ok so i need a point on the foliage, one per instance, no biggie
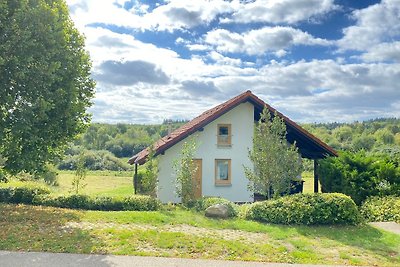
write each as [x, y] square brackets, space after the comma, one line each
[45, 83]
[80, 175]
[137, 202]
[123, 140]
[306, 209]
[147, 182]
[3, 176]
[360, 176]
[3, 173]
[50, 175]
[24, 194]
[381, 209]
[368, 135]
[94, 160]
[276, 162]
[141, 203]
[203, 203]
[185, 169]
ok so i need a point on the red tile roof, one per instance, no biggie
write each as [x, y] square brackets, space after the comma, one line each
[210, 115]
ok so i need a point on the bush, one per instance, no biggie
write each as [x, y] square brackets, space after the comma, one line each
[139, 203]
[203, 203]
[50, 175]
[24, 194]
[106, 204]
[95, 160]
[360, 176]
[3, 176]
[309, 209]
[381, 209]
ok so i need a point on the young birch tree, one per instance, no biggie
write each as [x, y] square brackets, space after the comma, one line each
[185, 169]
[275, 161]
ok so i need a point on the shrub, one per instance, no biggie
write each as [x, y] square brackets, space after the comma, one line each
[139, 203]
[306, 209]
[106, 203]
[381, 209]
[24, 194]
[71, 201]
[50, 175]
[94, 160]
[360, 176]
[203, 203]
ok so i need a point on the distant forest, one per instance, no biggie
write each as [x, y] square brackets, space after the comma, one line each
[104, 145]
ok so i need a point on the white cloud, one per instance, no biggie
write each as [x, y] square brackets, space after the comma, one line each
[260, 41]
[374, 24]
[182, 14]
[175, 14]
[279, 11]
[383, 52]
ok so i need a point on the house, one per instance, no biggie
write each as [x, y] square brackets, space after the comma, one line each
[224, 134]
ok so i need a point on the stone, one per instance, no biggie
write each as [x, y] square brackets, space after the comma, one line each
[218, 211]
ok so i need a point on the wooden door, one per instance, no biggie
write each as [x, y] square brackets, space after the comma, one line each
[197, 177]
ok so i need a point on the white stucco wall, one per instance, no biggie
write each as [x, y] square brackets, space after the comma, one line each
[242, 120]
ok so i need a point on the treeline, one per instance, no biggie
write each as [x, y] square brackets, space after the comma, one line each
[377, 136]
[106, 146]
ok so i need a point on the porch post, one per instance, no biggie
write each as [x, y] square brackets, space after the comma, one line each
[135, 179]
[315, 176]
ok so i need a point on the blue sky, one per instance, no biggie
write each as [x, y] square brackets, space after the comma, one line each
[313, 60]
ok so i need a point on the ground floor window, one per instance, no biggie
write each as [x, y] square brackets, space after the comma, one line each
[223, 171]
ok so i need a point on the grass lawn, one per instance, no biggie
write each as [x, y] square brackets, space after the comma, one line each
[98, 183]
[308, 186]
[103, 183]
[175, 232]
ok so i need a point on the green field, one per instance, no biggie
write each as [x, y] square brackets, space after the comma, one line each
[98, 183]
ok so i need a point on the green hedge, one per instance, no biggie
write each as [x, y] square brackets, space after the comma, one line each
[309, 209]
[203, 203]
[360, 175]
[23, 195]
[138, 202]
[39, 195]
[382, 209]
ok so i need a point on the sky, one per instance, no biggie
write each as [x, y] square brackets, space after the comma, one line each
[313, 60]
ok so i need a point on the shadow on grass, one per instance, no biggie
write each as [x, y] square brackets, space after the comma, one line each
[363, 237]
[36, 228]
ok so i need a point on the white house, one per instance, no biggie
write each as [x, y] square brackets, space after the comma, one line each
[224, 135]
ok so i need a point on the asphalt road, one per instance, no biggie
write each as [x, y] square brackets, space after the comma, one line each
[42, 259]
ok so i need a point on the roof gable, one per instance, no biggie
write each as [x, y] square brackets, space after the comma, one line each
[309, 145]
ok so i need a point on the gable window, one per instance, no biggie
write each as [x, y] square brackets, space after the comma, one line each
[222, 171]
[224, 135]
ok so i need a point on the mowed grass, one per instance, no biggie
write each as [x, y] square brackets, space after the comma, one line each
[175, 232]
[308, 186]
[97, 183]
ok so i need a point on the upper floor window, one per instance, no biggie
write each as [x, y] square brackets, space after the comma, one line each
[224, 135]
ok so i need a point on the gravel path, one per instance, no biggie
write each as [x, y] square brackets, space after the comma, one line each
[388, 226]
[41, 259]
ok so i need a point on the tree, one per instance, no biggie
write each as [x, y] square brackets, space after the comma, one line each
[80, 174]
[45, 84]
[276, 162]
[148, 184]
[185, 169]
